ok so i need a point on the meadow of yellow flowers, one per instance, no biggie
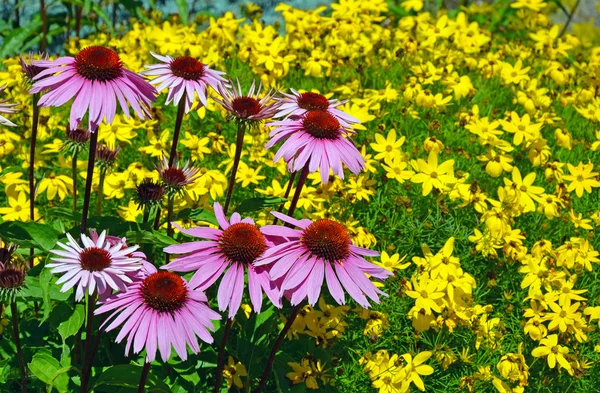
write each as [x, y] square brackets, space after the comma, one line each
[481, 138]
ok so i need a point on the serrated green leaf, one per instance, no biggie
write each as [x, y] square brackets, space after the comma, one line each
[71, 326]
[128, 375]
[197, 215]
[34, 234]
[48, 370]
[45, 278]
[259, 203]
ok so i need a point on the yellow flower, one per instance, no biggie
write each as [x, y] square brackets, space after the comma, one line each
[416, 5]
[426, 295]
[432, 175]
[361, 187]
[581, 178]
[247, 175]
[159, 145]
[534, 5]
[395, 168]
[54, 185]
[524, 188]
[197, 145]
[393, 262]
[232, 373]
[522, 128]
[432, 144]
[130, 212]
[514, 74]
[413, 369]
[563, 138]
[18, 208]
[562, 317]
[578, 220]
[555, 353]
[388, 147]
[121, 129]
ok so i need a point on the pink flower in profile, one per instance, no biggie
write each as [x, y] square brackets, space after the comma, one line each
[318, 139]
[318, 251]
[184, 76]
[160, 311]
[297, 104]
[249, 108]
[95, 79]
[5, 107]
[233, 247]
[99, 266]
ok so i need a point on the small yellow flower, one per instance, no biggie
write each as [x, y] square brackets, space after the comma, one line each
[553, 352]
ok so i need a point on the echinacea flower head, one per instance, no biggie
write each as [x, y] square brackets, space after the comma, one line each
[31, 67]
[106, 156]
[250, 108]
[318, 251]
[149, 193]
[7, 108]
[297, 104]
[176, 177]
[316, 139]
[98, 266]
[232, 248]
[12, 273]
[159, 311]
[184, 77]
[95, 79]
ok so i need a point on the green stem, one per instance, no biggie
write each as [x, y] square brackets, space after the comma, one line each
[87, 357]
[287, 194]
[221, 358]
[15, 320]
[178, 121]
[88, 180]
[144, 377]
[569, 18]
[298, 191]
[100, 192]
[278, 342]
[74, 176]
[236, 162]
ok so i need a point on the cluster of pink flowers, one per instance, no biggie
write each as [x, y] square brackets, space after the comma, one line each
[158, 309]
[314, 132]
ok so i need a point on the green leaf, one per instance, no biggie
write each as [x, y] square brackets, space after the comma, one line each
[128, 375]
[183, 11]
[18, 39]
[45, 278]
[197, 215]
[259, 203]
[48, 370]
[30, 234]
[149, 237]
[71, 326]
[64, 213]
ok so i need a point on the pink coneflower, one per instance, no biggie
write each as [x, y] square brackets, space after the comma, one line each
[234, 247]
[297, 104]
[183, 76]
[95, 78]
[176, 176]
[248, 108]
[32, 67]
[320, 250]
[5, 107]
[316, 138]
[98, 266]
[158, 311]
